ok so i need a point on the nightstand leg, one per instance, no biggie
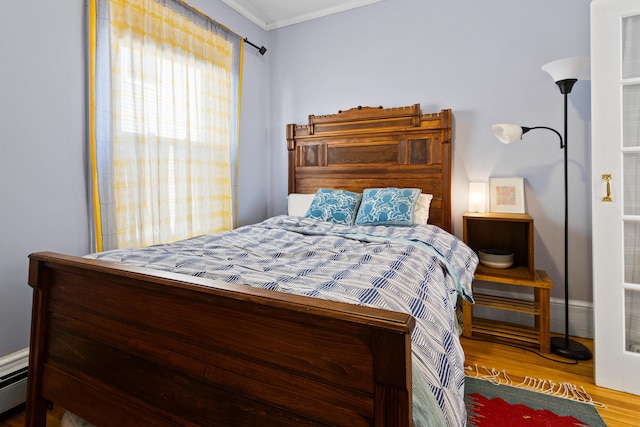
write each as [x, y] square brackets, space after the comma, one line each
[467, 319]
[542, 300]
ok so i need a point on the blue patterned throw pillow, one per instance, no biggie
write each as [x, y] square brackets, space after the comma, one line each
[387, 206]
[338, 206]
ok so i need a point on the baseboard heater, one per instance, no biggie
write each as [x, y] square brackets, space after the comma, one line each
[13, 379]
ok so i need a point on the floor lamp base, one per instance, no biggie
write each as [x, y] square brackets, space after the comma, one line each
[570, 349]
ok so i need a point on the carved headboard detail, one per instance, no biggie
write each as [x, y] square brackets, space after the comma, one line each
[367, 147]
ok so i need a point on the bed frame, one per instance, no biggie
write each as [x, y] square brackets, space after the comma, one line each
[125, 346]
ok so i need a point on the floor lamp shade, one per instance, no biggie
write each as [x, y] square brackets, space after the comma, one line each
[507, 133]
[567, 68]
[565, 72]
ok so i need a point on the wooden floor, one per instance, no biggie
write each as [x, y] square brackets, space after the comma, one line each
[622, 410]
[15, 417]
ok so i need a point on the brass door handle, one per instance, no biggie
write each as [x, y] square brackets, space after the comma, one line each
[607, 177]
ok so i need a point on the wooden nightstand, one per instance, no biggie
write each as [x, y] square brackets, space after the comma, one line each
[513, 232]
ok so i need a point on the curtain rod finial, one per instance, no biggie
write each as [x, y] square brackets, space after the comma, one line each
[261, 49]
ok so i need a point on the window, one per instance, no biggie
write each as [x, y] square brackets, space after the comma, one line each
[164, 99]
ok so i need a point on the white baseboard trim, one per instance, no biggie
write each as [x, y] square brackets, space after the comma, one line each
[13, 379]
[580, 314]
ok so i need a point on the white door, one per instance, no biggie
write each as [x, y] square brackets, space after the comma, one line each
[615, 115]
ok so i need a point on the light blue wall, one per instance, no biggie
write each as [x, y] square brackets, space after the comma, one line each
[42, 186]
[42, 147]
[482, 59]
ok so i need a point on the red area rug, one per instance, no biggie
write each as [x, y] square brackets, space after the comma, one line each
[494, 405]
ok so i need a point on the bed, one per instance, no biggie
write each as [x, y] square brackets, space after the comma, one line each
[154, 338]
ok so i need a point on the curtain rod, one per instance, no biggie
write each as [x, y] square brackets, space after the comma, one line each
[205, 17]
[261, 49]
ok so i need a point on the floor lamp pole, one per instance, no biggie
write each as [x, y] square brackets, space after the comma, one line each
[563, 346]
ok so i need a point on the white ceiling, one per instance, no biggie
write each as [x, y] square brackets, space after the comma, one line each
[270, 14]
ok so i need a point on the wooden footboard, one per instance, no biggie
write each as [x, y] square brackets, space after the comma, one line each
[123, 346]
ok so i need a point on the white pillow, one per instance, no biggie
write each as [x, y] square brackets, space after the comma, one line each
[298, 204]
[421, 211]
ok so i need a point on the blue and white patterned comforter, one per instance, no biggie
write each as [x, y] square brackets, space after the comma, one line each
[417, 269]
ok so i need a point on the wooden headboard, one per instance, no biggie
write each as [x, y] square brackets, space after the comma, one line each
[368, 147]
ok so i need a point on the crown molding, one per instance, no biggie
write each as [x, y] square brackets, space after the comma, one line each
[318, 11]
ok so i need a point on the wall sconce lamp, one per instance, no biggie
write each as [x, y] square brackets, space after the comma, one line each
[565, 73]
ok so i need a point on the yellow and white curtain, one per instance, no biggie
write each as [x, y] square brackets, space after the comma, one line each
[164, 111]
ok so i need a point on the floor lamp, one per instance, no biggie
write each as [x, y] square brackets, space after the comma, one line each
[565, 73]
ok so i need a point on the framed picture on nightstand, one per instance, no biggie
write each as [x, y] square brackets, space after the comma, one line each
[506, 195]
